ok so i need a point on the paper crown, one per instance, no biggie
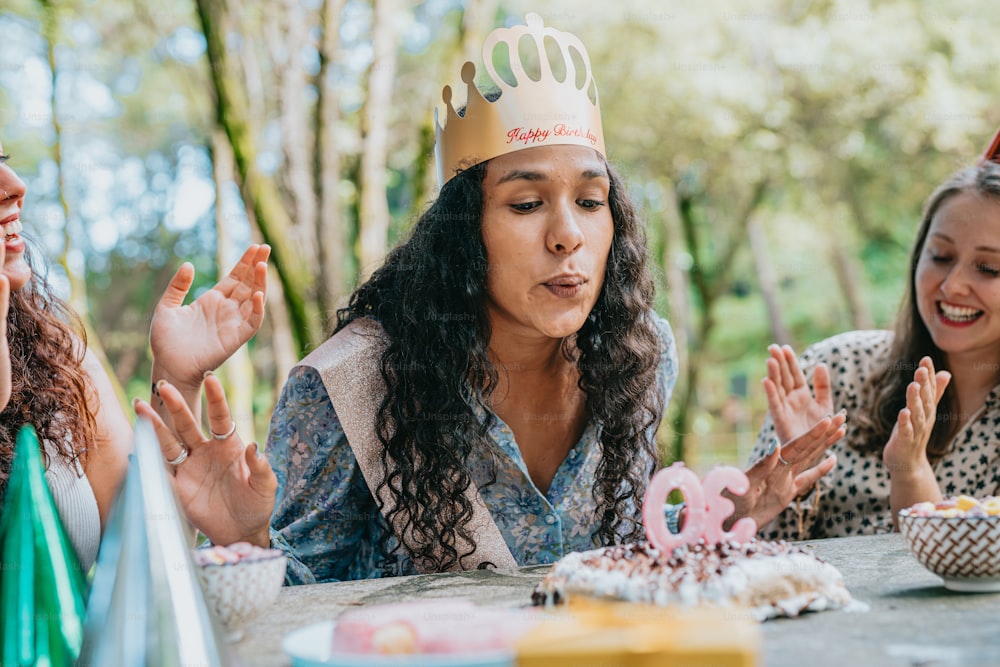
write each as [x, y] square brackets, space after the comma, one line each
[992, 153]
[535, 111]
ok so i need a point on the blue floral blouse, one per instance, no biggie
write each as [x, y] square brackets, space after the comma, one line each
[326, 520]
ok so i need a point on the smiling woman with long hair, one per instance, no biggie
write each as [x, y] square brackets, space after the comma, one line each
[923, 401]
[54, 387]
[51, 380]
[47, 346]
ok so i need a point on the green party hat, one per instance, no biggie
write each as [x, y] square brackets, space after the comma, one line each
[42, 588]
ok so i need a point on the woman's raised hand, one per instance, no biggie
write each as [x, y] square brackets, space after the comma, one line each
[905, 455]
[225, 487]
[188, 341]
[787, 471]
[790, 400]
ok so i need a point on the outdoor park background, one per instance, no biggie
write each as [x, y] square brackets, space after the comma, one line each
[779, 149]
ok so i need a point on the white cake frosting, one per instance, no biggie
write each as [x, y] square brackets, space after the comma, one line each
[768, 579]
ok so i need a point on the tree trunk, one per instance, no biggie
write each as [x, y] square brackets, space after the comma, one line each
[767, 280]
[680, 315]
[847, 270]
[477, 20]
[373, 234]
[252, 77]
[76, 275]
[853, 176]
[330, 223]
[296, 124]
[273, 222]
[237, 373]
[687, 388]
[282, 340]
[708, 285]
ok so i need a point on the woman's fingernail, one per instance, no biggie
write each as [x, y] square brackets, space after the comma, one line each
[135, 402]
[774, 446]
[206, 374]
[160, 383]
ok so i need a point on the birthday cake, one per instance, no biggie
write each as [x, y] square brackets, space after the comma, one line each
[703, 565]
[769, 579]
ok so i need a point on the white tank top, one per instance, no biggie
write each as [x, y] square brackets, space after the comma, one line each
[77, 507]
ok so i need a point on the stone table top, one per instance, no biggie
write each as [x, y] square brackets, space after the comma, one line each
[913, 620]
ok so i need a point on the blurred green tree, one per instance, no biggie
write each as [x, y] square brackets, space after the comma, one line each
[781, 151]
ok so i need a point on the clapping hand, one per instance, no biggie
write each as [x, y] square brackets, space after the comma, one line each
[226, 488]
[906, 451]
[787, 471]
[188, 341]
[790, 400]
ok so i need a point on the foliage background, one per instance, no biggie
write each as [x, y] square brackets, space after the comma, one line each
[780, 151]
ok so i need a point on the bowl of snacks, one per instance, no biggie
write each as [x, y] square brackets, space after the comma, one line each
[240, 582]
[957, 539]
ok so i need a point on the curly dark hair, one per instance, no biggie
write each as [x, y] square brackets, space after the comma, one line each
[886, 390]
[50, 388]
[430, 298]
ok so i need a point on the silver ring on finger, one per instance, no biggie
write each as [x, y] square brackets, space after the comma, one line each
[781, 459]
[223, 436]
[181, 458]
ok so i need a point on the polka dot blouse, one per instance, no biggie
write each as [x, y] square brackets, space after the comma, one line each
[854, 498]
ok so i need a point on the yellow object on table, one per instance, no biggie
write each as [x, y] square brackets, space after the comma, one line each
[596, 634]
[992, 506]
[966, 503]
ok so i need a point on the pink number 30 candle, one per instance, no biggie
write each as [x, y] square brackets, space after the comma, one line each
[706, 508]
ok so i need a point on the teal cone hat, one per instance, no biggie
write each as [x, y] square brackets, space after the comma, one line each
[42, 589]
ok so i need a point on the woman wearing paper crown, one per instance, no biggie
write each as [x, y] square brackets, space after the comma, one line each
[48, 377]
[491, 394]
[923, 401]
